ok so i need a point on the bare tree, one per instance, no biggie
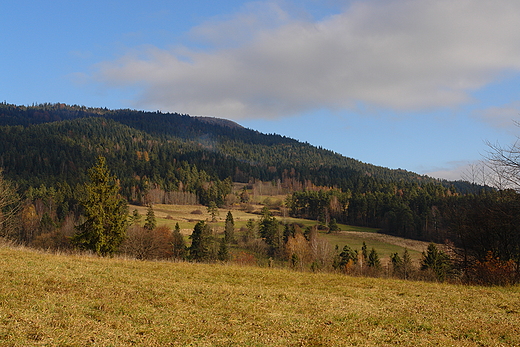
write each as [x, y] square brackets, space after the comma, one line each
[9, 207]
[504, 163]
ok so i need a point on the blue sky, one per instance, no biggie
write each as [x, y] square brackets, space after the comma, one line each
[418, 85]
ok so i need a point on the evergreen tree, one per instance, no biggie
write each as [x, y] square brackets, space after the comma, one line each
[150, 222]
[364, 252]
[407, 264]
[333, 226]
[436, 261]
[250, 233]
[373, 259]
[200, 242]
[397, 264]
[213, 210]
[136, 217]
[346, 257]
[270, 231]
[229, 231]
[106, 213]
[223, 251]
[178, 243]
[402, 267]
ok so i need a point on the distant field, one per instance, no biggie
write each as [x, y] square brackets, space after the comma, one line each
[385, 245]
[353, 236]
[57, 300]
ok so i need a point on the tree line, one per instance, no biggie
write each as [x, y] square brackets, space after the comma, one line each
[46, 151]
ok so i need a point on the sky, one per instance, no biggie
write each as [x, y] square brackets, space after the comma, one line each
[417, 85]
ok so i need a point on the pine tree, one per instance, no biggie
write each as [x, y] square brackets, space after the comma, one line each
[213, 210]
[407, 264]
[250, 232]
[106, 213]
[150, 222]
[178, 243]
[135, 218]
[333, 226]
[364, 252]
[229, 231]
[200, 242]
[373, 259]
[436, 261]
[270, 231]
[223, 251]
[346, 257]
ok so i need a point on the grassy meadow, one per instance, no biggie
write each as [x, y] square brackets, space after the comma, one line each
[353, 236]
[77, 300]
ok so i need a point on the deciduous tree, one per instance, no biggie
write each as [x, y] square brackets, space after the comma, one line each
[9, 206]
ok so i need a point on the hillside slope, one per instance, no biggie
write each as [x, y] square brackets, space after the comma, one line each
[212, 145]
[78, 300]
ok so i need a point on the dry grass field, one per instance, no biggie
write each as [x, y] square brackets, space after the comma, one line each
[78, 300]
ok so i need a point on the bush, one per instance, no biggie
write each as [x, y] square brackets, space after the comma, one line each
[141, 243]
[493, 271]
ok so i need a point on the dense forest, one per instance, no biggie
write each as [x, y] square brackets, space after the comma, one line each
[46, 151]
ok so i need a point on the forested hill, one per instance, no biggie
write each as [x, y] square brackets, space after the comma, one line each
[50, 143]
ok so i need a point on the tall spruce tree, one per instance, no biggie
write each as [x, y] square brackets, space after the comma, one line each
[436, 261]
[200, 242]
[150, 221]
[105, 211]
[373, 259]
[178, 243]
[229, 230]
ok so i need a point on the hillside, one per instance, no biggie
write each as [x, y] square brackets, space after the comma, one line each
[80, 300]
[72, 137]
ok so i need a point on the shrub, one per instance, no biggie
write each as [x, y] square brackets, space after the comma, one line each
[141, 243]
[493, 271]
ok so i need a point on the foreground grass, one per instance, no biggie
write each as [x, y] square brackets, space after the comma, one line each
[56, 300]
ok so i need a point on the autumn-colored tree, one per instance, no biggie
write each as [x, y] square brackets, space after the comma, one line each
[9, 207]
[298, 251]
[494, 271]
[142, 243]
[105, 211]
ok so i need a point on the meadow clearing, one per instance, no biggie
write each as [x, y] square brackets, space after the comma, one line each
[80, 300]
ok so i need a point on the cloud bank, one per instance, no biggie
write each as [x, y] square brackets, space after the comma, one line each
[264, 62]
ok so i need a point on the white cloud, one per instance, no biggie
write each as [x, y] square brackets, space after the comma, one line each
[505, 116]
[398, 54]
[456, 170]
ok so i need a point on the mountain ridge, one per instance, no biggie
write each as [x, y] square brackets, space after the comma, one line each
[243, 154]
